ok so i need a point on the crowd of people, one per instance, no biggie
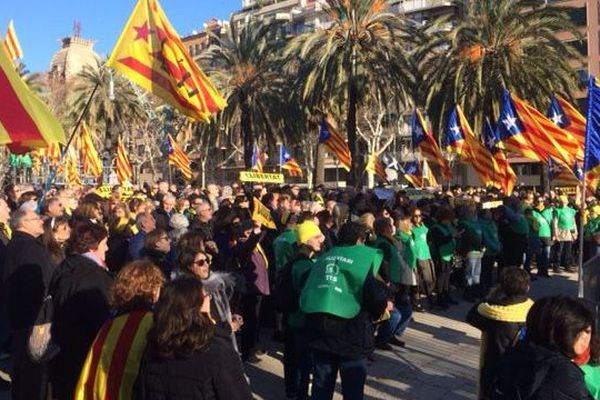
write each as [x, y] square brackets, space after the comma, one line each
[169, 292]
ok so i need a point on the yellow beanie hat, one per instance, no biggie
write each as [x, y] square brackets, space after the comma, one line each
[307, 230]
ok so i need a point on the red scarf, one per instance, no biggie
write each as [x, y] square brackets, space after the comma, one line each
[583, 358]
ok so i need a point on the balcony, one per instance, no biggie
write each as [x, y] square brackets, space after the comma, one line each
[410, 6]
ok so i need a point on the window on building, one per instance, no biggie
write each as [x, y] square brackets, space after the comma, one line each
[331, 175]
[191, 50]
[578, 16]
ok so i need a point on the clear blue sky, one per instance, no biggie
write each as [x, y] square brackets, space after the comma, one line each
[40, 24]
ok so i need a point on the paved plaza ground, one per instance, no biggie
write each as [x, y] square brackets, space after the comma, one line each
[440, 360]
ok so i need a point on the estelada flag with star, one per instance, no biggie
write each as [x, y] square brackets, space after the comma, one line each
[151, 54]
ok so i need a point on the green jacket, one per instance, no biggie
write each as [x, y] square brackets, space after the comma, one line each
[336, 281]
[391, 256]
[409, 249]
[544, 222]
[491, 240]
[591, 228]
[565, 218]
[300, 270]
[421, 245]
[443, 243]
[284, 248]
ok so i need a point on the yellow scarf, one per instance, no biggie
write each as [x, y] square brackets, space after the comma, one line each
[262, 253]
[512, 313]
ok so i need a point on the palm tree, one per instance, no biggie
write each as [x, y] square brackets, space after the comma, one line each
[32, 80]
[360, 52]
[245, 64]
[113, 104]
[496, 44]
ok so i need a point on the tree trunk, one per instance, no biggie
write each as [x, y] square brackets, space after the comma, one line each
[247, 137]
[319, 176]
[354, 177]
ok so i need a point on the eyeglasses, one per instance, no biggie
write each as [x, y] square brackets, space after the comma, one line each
[417, 215]
[200, 263]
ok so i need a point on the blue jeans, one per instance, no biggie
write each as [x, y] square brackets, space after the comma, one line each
[533, 246]
[472, 271]
[397, 323]
[326, 367]
[543, 257]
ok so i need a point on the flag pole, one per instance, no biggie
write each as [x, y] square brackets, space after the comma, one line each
[53, 170]
[580, 263]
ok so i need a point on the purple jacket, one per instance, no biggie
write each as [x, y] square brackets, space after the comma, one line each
[254, 265]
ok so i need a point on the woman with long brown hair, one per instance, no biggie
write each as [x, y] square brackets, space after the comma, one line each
[186, 356]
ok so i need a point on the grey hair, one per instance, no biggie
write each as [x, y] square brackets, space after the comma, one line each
[17, 217]
[139, 220]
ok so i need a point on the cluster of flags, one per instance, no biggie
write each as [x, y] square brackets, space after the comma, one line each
[150, 53]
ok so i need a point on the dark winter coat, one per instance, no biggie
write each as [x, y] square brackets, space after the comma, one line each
[500, 322]
[162, 219]
[349, 338]
[26, 274]
[80, 290]
[534, 372]
[214, 372]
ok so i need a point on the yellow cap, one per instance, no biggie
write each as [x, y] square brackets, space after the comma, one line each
[306, 231]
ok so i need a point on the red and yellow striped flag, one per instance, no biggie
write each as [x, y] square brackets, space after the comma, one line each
[375, 166]
[112, 364]
[11, 43]
[71, 169]
[548, 138]
[330, 137]
[89, 156]
[178, 158]
[122, 164]
[482, 160]
[424, 140]
[151, 54]
[25, 122]
[576, 125]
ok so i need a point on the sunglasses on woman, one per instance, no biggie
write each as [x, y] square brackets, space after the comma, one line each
[200, 263]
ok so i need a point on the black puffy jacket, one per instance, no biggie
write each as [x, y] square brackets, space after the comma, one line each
[215, 372]
[533, 372]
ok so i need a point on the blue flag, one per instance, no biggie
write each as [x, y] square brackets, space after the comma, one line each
[557, 114]
[418, 132]
[454, 133]
[592, 128]
[490, 138]
[509, 123]
[413, 168]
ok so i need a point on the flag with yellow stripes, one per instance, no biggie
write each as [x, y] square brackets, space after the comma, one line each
[11, 43]
[331, 138]
[122, 164]
[423, 140]
[178, 158]
[150, 53]
[89, 156]
[26, 123]
[375, 166]
[112, 363]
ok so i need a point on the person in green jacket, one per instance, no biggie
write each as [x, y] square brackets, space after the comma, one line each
[565, 230]
[296, 361]
[493, 247]
[391, 272]
[543, 214]
[425, 267]
[591, 233]
[442, 238]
